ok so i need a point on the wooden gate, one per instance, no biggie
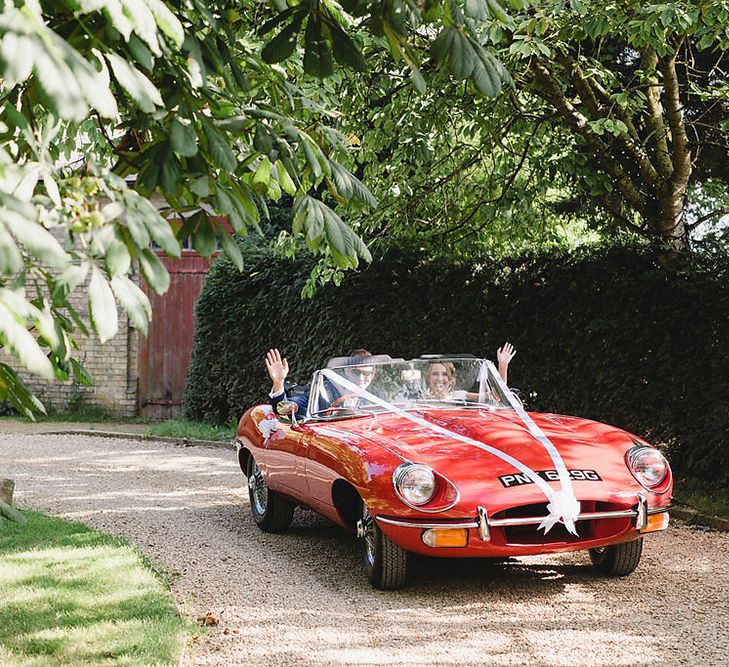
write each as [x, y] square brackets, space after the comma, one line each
[164, 356]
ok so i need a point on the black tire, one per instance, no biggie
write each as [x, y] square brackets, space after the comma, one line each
[619, 559]
[385, 562]
[271, 511]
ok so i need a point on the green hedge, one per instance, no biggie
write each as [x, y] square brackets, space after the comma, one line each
[605, 334]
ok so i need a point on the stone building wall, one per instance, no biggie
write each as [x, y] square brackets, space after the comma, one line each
[113, 365]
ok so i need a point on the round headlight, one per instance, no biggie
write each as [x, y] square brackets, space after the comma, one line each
[414, 483]
[648, 466]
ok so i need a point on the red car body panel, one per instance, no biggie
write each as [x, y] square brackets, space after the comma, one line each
[304, 462]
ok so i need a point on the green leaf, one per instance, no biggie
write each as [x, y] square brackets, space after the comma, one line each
[350, 187]
[285, 14]
[283, 45]
[52, 189]
[320, 224]
[231, 248]
[196, 71]
[20, 397]
[11, 260]
[462, 56]
[485, 75]
[169, 172]
[262, 141]
[117, 258]
[262, 176]
[284, 179]
[145, 223]
[201, 187]
[141, 53]
[102, 307]
[317, 56]
[418, 79]
[20, 341]
[82, 376]
[73, 276]
[36, 239]
[442, 45]
[345, 50]
[203, 239]
[498, 12]
[476, 9]
[219, 149]
[167, 22]
[154, 271]
[183, 137]
[134, 301]
[137, 85]
[243, 200]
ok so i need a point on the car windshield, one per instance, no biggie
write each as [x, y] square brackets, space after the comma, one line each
[352, 386]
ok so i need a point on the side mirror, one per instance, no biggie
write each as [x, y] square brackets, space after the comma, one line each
[288, 409]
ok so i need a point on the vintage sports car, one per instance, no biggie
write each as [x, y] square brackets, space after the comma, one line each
[437, 456]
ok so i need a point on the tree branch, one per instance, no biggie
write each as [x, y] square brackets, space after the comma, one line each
[580, 125]
[708, 216]
[681, 153]
[656, 129]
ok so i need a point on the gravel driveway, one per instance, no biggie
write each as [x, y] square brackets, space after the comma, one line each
[302, 599]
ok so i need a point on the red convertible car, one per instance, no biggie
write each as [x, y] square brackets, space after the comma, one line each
[437, 456]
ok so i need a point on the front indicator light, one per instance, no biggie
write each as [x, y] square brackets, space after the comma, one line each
[656, 522]
[446, 537]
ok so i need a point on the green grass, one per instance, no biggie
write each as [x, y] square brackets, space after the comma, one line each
[181, 428]
[695, 494]
[72, 596]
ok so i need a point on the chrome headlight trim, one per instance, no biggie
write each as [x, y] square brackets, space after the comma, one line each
[632, 459]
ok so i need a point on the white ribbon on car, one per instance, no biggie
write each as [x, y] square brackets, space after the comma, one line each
[562, 505]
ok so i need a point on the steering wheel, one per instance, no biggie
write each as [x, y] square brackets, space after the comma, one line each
[337, 402]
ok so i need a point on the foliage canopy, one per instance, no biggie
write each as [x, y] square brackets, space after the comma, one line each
[118, 114]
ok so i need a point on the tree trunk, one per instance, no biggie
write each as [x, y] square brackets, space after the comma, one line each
[7, 487]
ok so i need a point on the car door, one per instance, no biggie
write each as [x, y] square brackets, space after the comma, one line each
[323, 457]
[285, 456]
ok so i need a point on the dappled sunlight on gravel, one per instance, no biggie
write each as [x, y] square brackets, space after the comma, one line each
[301, 598]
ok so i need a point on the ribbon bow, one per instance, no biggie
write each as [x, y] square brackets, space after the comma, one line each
[563, 508]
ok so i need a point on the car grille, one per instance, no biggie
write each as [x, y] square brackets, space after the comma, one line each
[586, 529]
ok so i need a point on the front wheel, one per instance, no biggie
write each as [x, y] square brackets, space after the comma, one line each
[271, 511]
[385, 562]
[619, 559]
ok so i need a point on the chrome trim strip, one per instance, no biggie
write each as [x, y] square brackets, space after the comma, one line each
[518, 521]
[484, 522]
[585, 516]
[412, 524]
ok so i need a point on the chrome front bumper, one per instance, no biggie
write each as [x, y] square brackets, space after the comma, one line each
[484, 523]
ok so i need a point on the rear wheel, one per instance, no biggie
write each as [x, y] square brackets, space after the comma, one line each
[619, 559]
[385, 562]
[271, 511]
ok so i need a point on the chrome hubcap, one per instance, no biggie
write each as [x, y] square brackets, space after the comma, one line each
[366, 530]
[258, 490]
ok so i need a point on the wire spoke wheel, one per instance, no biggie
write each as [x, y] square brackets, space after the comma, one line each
[271, 511]
[385, 562]
[258, 490]
[368, 536]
